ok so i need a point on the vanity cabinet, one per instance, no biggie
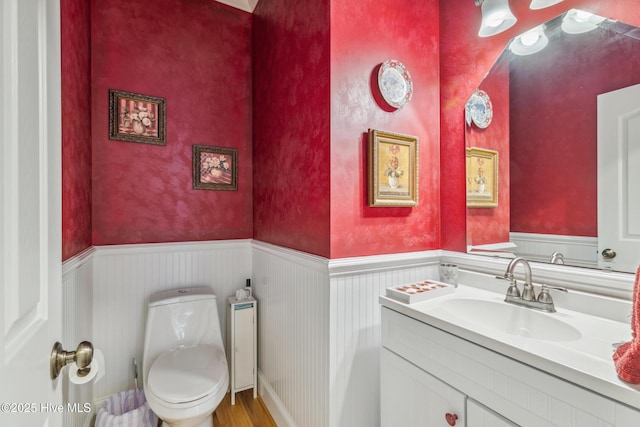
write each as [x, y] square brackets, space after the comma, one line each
[427, 373]
[412, 397]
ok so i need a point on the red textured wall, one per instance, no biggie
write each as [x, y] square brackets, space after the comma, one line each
[175, 48]
[197, 55]
[291, 124]
[363, 35]
[465, 60]
[76, 126]
[491, 225]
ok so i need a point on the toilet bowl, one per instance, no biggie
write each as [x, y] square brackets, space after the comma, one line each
[185, 373]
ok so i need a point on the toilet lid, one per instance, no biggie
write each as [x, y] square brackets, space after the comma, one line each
[187, 373]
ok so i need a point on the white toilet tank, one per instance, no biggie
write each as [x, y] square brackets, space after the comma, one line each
[180, 317]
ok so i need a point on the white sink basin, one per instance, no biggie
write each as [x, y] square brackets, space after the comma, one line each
[511, 319]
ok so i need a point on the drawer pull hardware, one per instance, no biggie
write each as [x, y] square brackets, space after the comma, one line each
[451, 418]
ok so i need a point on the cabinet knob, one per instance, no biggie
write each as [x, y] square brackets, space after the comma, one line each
[451, 418]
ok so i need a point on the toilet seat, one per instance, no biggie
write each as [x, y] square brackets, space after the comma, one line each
[187, 374]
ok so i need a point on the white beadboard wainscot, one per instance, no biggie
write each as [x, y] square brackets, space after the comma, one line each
[356, 284]
[319, 332]
[126, 275]
[293, 334]
[318, 319]
[77, 326]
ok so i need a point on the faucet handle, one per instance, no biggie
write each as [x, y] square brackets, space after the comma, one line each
[513, 290]
[545, 296]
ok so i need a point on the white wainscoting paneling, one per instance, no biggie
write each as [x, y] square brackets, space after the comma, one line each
[319, 332]
[124, 278]
[318, 319]
[293, 334]
[77, 326]
[356, 284]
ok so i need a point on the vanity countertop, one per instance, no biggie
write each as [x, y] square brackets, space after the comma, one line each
[582, 357]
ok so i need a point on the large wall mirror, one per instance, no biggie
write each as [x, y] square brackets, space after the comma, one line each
[544, 129]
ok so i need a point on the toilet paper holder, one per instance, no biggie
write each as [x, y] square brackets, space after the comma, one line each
[82, 356]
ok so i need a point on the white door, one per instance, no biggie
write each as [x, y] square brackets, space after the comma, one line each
[619, 179]
[30, 200]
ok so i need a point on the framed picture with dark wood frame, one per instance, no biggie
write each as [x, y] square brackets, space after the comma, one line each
[215, 168]
[482, 178]
[392, 169]
[137, 118]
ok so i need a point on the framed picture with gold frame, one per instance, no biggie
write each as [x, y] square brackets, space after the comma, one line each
[482, 178]
[392, 169]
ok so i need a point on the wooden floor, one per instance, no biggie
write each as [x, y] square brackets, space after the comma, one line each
[247, 412]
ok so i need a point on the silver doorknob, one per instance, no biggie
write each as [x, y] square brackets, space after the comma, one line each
[609, 253]
[82, 356]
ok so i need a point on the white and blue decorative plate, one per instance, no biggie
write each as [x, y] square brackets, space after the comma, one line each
[395, 83]
[479, 109]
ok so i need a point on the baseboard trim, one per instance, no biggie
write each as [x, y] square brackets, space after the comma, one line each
[271, 400]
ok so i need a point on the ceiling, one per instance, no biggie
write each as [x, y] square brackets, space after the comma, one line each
[246, 5]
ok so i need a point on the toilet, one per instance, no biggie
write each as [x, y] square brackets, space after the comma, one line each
[185, 374]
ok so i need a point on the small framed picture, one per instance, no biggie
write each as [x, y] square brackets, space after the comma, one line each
[137, 118]
[215, 168]
[392, 169]
[482, 178]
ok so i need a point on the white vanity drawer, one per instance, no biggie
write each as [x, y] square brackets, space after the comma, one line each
[412, 397]
[481, 416]
[516, 391]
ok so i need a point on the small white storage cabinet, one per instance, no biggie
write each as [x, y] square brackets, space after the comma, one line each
[242, 345]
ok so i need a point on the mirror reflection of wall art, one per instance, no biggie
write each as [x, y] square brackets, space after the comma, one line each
[478, 109]
[137, 118]
[482, 178]
[392, 169]
[215, 168]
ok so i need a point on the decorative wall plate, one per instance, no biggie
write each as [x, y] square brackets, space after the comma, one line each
[395, 83]
[479, 109]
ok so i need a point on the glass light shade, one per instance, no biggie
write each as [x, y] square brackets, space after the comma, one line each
[578, 21]
[541, 4]
[530, 42]
[496, 17]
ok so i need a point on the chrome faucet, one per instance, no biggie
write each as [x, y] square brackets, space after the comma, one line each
[557, 258]
[527, 292]
[528, 298]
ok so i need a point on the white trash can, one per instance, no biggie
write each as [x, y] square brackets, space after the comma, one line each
[126, 409]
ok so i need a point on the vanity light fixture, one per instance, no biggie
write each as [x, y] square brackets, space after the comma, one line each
[496, 17]
[579, 21]
[530, 42]
[541, 4]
